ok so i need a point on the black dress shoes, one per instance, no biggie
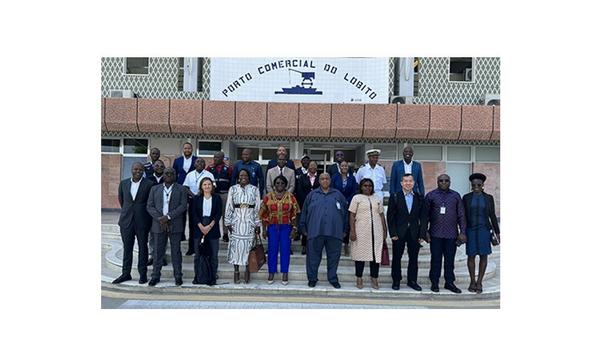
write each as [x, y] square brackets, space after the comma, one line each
[312, 283]
[178, 282]
[164, 262]
[452, 288]
[143, 279]
[414, 286]
[189, 252]
[435, 288]
[122, 278]
[336, 284]
[153, 282]
[395, 286]
[150, 262]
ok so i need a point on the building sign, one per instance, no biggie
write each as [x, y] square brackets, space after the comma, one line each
[319, 80]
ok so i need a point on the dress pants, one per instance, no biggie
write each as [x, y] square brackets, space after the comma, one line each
[333, 248]
[192, 227]
[442, 247]
[128, 236]
[279, 235]
[161, 240]
[413, 259]
[211, 248]
[360, 265]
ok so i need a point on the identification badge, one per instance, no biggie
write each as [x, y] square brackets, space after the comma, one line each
[442, 210]
[338, 205]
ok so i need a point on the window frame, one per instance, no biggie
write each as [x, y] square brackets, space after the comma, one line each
[448, 72]
[209, 141]
[135, 154]
[120, 152]
[125, 67]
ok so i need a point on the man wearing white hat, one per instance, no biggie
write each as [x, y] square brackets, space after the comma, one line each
[373, 171]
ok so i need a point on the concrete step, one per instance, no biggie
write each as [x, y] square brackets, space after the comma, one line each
[112, 258]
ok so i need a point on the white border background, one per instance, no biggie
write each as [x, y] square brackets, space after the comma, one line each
[553, 173]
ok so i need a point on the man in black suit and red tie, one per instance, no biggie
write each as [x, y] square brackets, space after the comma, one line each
[134, 222]
[407, 221]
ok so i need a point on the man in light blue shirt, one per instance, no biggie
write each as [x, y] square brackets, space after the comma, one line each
[324, 222]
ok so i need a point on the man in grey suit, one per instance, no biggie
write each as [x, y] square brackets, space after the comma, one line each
[134, 221]
[280, 169]
[167, 203]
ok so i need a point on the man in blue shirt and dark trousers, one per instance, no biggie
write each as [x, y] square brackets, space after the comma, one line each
[324, 222]
[447, 227]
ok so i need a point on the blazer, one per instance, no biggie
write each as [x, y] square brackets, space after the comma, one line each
[490, 204]
[397, 171]
[134, 211]
[351, 186]
[177, 165]
[215, 213]
[303, 188]
[403, 224]
[154, 180]
[334, 170]
[274, 162]
[274, 172]
[176, 207]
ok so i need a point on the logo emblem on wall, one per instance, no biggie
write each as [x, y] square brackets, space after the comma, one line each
[305, 88]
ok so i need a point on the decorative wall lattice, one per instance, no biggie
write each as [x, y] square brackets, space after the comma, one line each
[435, 88]
[160, 83]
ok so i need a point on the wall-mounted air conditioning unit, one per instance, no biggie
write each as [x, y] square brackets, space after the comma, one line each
[401, 99]
[121, 93]
[490, 100]
[467, 75]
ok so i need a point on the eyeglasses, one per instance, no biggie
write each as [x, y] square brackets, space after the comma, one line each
[444, 180]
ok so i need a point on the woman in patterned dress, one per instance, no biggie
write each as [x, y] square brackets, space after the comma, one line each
[278, 213]
[242, 221]
[368, 231]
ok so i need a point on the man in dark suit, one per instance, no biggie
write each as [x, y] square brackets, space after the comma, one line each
[182, 166]
[407, 166]
[407, 220]
[157, 178]
[134, 221]
[167, 204]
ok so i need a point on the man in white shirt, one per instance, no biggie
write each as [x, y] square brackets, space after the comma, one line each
[192, 182]
[373, 171]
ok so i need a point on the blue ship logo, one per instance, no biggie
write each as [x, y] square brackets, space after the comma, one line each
[305, 88]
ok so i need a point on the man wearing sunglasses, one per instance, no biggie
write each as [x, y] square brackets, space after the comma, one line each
[447, 224]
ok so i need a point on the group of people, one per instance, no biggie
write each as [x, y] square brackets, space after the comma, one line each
[323, 210]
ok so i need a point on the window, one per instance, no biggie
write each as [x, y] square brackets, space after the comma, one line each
[208, 148]
[111, 145]
[458, 153]
[461, 69]
[181, 74]
[427, 152]
[487, 154]
[387, 151]
[270, 153]
[137, 66]
[135, 146]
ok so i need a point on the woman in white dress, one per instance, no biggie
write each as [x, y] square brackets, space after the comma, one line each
[242, 221]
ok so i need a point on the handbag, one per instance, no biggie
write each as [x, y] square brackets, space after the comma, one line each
[257, 255]
[203, 268]
[494, 239]
[385, 254]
